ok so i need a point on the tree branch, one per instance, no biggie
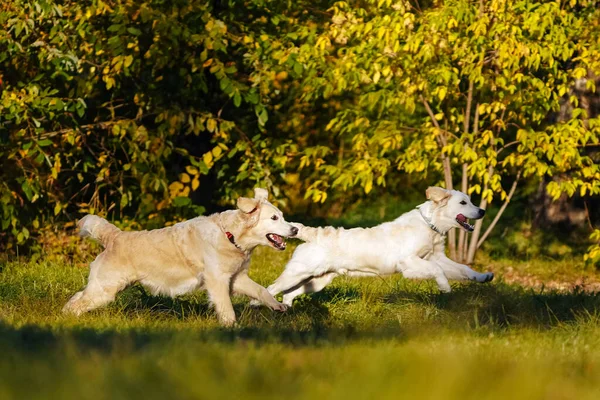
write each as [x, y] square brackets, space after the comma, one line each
[442, 142]
[479, 223]
[493, 224]
[104, 125]
[464, 187]
[463, 239]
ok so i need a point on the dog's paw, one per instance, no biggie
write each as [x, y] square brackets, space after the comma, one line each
[483, 278]
[228, 322]
[445, 288]
[288, 299]
[255, 303]
[279, 307]
[70, 310]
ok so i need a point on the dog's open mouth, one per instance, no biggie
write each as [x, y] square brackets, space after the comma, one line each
[277, 241]
[464, 222]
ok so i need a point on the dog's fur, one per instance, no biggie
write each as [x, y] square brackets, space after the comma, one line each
[189, 255]
[413, 245]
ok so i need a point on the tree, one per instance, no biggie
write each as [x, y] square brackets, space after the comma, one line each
[123, 107]
[463, 88]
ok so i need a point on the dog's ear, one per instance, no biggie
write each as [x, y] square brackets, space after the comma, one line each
[437, 194]
[261, 194]
[247, 205]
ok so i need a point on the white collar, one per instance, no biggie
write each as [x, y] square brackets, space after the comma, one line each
[431, 225]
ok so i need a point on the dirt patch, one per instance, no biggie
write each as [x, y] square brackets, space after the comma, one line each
[586, 284]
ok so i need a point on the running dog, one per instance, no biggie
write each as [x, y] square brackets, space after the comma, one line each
[211, 253]
[413, 245]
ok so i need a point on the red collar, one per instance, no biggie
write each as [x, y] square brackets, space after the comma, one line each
[231, 238]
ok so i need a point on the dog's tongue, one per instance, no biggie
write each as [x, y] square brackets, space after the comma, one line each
[277, 239]
[461, 218]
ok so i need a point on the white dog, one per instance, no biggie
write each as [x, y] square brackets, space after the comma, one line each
[413, 245]
[205, 252]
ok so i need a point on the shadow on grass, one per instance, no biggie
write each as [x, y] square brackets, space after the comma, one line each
[136, 299]
[309, 323]
[34, 339]
[330, 295]
[505, 305]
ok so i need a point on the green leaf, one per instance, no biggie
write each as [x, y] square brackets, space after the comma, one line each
[134, 31]
[181, 201]
[44, 142]
[237, 99]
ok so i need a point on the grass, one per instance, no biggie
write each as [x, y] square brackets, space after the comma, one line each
[359, 338]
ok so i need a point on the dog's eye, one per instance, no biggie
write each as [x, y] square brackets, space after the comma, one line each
[274, 217]
[463, 202]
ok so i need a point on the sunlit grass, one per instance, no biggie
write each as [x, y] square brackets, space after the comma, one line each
[359, 338]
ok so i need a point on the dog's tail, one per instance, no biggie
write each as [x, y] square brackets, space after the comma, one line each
[311, 234]
[97, 228]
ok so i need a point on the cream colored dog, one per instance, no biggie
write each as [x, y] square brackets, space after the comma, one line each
[413, 245]
[205, 252]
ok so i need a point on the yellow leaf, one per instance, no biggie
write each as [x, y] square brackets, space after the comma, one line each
[161, 205]
[442, 92]
[217, 152]
[211, 125]
[128, 60]
[185, 178]
[323, 197]
[207, 158]
[191, 170]
[195, 183]
[376, 77]
[368, 186]
[175, 186]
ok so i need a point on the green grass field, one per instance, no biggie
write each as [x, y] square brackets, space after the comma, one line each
[359, 338]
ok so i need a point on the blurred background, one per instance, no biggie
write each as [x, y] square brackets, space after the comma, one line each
[149, 113]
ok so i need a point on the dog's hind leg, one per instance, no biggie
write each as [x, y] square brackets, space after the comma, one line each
[89, 299]
[418, 268]
[460, 272]
[316, 284]
[294, 275]
[103, 285]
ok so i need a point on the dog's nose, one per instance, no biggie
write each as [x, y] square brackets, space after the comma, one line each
[481, 212]
[294, 231]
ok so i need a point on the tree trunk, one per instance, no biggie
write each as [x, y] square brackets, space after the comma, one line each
[441, 139]
[462, 235]
[475, 241]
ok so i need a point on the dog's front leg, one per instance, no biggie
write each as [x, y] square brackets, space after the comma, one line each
[460, 272]
[242, 284]
[217, 286]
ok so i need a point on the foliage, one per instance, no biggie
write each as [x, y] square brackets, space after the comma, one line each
[481, 79]
[593, 255]
[122, 107]
[146, 110]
